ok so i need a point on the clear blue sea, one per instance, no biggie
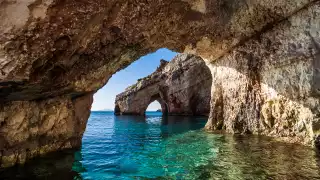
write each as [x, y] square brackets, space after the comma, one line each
[153, 147]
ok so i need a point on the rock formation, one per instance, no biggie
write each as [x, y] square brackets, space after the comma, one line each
[182, 87]
[54, 54]
[270, 84]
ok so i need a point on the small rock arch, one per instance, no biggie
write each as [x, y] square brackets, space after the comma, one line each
[163, 103]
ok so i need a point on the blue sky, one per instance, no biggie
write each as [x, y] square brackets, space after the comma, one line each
[105, 97]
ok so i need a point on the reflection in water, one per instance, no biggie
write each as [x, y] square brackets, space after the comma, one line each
[131, 147]
[252, 157]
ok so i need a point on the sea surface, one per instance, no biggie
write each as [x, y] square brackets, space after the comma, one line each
[174, 147]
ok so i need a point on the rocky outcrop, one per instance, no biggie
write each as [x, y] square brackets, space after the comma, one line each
[270, 84]
[29, 129]
[60, 51]
[182, 87]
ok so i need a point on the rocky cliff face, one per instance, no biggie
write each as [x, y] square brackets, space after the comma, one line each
[182, 87]
[30, 129]
[270, 84]
[55, 52]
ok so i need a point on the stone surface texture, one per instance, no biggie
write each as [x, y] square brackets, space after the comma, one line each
[269, 84]
[263, 55]
[181, 86]
[29, 129]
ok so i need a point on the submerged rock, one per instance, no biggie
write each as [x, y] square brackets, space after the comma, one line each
[182, 87]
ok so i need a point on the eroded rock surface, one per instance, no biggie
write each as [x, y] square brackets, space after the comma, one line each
[54, 48]
[59, 51]
[182, 87]
[270, 84]
[29, 129]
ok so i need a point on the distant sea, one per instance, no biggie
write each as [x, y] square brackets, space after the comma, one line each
[174, 147]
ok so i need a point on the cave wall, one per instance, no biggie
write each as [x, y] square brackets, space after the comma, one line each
[60, 51]
[270, 84]
[52, 48]
[30, 129]
[182, 87]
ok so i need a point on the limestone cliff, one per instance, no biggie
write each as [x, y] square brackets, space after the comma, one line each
[263, 54]
[182, 87]
[270, 84]
[30, 129]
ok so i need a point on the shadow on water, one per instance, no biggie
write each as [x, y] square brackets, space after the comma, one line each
[180, 124]
[50, 167]
[173, 147]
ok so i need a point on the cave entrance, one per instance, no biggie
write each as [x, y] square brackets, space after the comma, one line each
[104, 98]
[182, 87]
[117, 110]
[180, 83]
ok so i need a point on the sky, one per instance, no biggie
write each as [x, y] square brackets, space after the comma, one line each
[105, 97]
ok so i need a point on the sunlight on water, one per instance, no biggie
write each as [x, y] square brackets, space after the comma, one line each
[153, 147]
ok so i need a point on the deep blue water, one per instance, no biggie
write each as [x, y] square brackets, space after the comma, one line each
[153, 147]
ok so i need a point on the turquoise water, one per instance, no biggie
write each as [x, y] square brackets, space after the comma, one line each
[152, 147]
[129, 147]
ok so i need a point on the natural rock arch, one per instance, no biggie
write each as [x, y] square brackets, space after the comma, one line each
[55, 54]
[182, 87]
[141, 110]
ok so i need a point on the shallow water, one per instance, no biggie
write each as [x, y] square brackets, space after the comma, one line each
[129, 147]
